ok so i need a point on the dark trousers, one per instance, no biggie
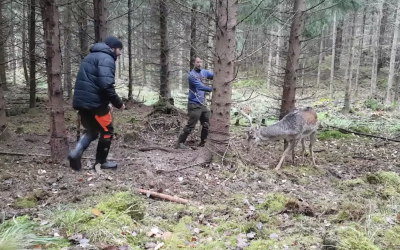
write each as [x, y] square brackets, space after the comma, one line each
[196, 112]
[94, 125]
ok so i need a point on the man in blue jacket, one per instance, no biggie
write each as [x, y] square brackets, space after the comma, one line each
[94, 93]
[197, 109]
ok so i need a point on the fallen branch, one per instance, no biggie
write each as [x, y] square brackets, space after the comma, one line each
[345, 131]
[178, 169]
[163, 196]
[145, 149]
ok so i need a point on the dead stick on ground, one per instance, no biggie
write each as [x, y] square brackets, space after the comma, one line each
[179, 169]
[144, 149]
[163, 196]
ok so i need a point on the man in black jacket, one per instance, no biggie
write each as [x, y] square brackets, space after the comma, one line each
[94, 91]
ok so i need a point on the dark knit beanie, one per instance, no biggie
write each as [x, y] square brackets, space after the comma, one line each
[113, 42]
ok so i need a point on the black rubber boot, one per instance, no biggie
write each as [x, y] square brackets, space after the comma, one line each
[103, 147]
[75, 155]
[203, 137]
[181, 141]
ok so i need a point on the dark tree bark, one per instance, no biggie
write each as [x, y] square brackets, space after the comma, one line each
[293, 56]
[32, 55]
[339, 41]
[58, 135]
[3, 35]
[382, 31]
[224, 74]
[165, 91]
[100, 20]
[83, 42]
[3, 118]
[193, 33]
[130, 59]
[67, 52]
[23, 36]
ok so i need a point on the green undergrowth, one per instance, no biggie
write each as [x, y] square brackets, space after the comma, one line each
[367, 215]
[22, 233]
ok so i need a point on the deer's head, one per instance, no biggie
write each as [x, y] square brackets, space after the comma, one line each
[252, 134]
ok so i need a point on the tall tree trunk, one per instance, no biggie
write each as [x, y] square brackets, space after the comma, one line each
[67, 52]
[339, 43]
[58, 135]
[83, 42]
[333, 56]
[23, 36]
[320, 58]
[277, 59]
[144, 48]
[3, 35]
[269, 67]
[100, 20]
[130, 80]
[3, 118]
[393, 58]
[293, 56]
[382, 31]
[361, 49]
[349, 76]
[223, 77]
[165, 90]
[32, 55]
[193, 33]
[374, 74]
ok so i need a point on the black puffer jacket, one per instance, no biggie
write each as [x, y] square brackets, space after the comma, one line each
[94, 86]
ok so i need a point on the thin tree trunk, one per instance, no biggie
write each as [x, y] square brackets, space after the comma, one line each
[321, 50]
[165, 90]
[361, 57]
[349, 75]
[333, 56]
[223, 76]
[293, 56]
[58, 135]
[130, 80]
[382, 31]
[339, 43]
[3, 59]
[193, 32]
[277, 59]
[393, 58]
[23, 36]
[144, 48]
[32, 55]
[83, 42]
[374, 74]
[210, 35]
[269, 68]
[100, 20]
[3, 118]
[67, 52]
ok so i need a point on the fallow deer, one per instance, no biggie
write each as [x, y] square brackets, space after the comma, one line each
[294, 127]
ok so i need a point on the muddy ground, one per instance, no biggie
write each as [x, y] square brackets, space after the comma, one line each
[319, 189]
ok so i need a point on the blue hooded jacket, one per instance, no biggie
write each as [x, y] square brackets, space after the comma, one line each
[94, 86]
[196, 86]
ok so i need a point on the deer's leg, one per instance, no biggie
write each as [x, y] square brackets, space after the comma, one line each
[313, 138]
[292, 147]
[284, 155]
[303, 149]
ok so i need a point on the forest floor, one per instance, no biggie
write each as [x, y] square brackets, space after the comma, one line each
[350, 201]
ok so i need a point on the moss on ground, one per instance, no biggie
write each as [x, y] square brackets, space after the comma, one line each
[332, 134]
[350, 238]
